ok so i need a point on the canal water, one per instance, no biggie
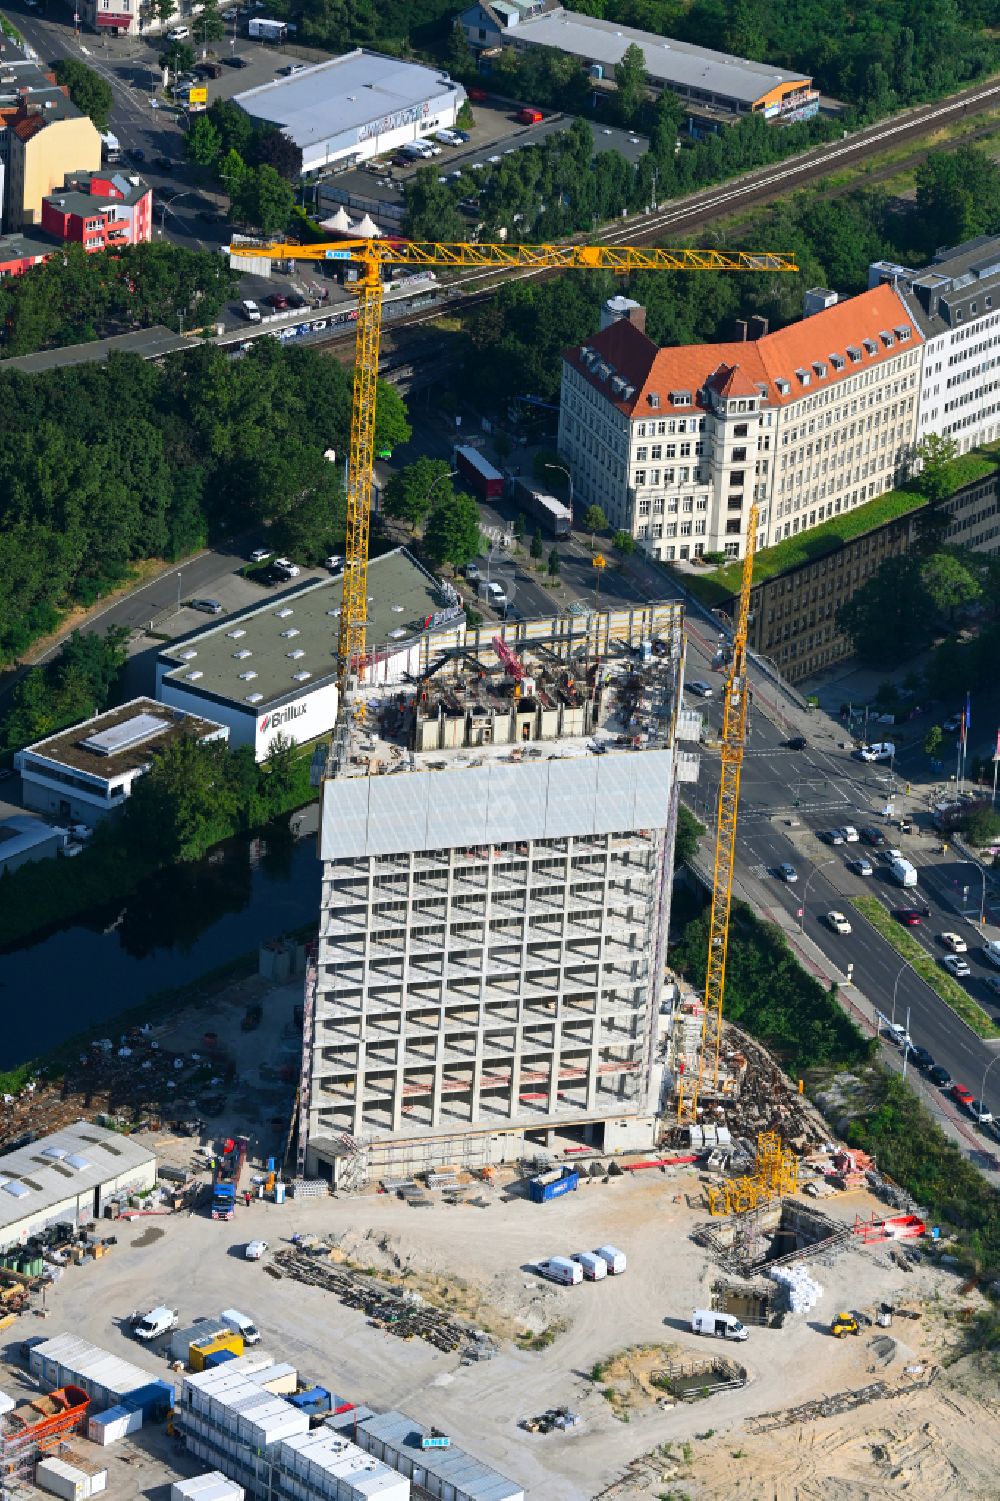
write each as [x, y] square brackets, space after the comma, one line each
[177, 926]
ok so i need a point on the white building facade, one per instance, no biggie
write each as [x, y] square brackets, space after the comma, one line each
[675, 444]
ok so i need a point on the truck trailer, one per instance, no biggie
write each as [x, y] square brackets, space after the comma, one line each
[552, 514]
[264, 30]
[485, 479]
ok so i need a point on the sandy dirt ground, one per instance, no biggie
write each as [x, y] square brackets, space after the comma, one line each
[937, 1441]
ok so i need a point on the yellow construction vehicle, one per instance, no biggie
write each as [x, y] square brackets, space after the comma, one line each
[844, 1324]
[371, 256]
[731, 744]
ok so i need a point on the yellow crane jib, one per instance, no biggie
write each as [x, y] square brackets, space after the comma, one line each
[371, 256]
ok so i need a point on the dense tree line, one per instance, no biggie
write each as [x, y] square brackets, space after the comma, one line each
[516, 340]
[104, 464]
[75, 297]
[91, 93]
[255, 162]
[78, 683]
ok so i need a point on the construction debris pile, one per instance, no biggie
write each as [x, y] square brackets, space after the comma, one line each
[555, 1418]
[838, 1404]
[401, 1313]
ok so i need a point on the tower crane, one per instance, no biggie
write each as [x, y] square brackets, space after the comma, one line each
[731, 744]
[371, 256]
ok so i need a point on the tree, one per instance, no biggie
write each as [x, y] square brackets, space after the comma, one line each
[203, 142]
[958, 196]
[936, 454]
[553, 563]
[980, 825]
[412, 491]
[630, 78]
[890, 617]
[624, 541]
[689, 831]
[208, 25]
[178, 57]
[272, 148]
[519, 526]
[933, 740]
[186, 802]
[431, 209]
[91, 94]
[949, 583]
[536, 544]
[262, 199]
[235, 127]
[452, 534]
[594, 520]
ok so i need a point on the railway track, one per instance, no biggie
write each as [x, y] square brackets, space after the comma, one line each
[680, 216]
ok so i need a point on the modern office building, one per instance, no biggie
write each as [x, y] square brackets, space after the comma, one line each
[675, 443]
[87, 771]
[272, 669]
[706, 80]
[350, 108]
[955, 302]
[497, 844]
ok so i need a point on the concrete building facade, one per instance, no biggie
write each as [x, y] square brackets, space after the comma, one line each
[100, 210]
[955, 302]
[674, 444]
[794, 613]
[494, 909]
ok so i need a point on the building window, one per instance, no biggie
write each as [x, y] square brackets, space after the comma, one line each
[640, 476]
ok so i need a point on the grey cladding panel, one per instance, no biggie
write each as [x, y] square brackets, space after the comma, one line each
[456, 807]
[345, 819]
[572, 797]
[616, 778]
[397, 814]
[652, 790]
[517, 802]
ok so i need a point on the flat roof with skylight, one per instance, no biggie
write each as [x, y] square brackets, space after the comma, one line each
[117, 742]
[52, 1175]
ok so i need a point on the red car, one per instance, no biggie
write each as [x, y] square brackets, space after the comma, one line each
[908, 916]
[961, 1095]
[278, 301]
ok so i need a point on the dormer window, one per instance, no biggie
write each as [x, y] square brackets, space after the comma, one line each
[804, 377]
[681, 398]
[783, 386]
[870, 346]
[820, 368]
[837, 361]
[903, 332]
[854, 354]
[654, 399]
[887, 338]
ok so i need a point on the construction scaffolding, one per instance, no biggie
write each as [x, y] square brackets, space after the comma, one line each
[35, 1428]
[776, 1173]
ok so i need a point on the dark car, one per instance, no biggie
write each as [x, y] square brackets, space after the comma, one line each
[295, 299]
[920, 1057]
[237, 62]
[939, 1076]
[871, 835]
[165, 163]
[797, 742]
[137, 154]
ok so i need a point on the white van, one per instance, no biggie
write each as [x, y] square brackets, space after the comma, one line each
[154, 1323]
[722, 1325]
[991, 951]
[250, 310]
[903, 873]
[594, 1266]
[614, 1258]
[561, 1269]
[497, 595]
[240, 1324]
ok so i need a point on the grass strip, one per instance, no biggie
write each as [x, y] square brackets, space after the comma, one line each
[926, 966]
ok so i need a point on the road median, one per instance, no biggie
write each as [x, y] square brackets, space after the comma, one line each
[926, 966]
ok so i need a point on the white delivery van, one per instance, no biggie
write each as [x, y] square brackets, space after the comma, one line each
[614, 1258]
[250, 310]
[240, 1324]
[497, 596]
[561, 1269]
[903, 873]
[722, 1325]
[154, 1323]
[991, 951]
[594, 1266]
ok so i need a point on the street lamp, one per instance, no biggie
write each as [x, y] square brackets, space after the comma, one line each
[164, 206]
[563, 470]
[805, 890]
[982, 1087]
[178, 593]
[982, 876]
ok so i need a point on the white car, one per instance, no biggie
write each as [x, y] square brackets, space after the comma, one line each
[838, 922]
[447, 138]
[179, 34]
[850, 833]
[260, 554]
[882, 750]
[700, 689]
[955, 942]
[956, 965]
[862, 866]
[255, 1249]
[287, 566]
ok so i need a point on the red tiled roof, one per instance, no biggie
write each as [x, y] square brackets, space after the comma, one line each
[800, 356]
[28, 126]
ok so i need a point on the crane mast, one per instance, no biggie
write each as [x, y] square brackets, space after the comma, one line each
[731, 746]
[371, 256]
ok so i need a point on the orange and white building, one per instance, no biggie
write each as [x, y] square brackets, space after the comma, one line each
[675, 443]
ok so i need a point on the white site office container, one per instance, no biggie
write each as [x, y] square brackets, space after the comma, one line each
[248, 1364]
[68, 1481]
[272, 1424]
[212, 1486]
[321, 1464]
[281, 1379]
[108, 1427]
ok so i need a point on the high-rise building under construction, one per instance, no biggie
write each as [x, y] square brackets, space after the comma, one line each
[497, 844]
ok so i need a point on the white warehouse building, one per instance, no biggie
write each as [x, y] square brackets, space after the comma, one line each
[351, 108]
[272, 670]
[69, 1175]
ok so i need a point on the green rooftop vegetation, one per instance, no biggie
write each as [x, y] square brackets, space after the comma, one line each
[723, 583]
